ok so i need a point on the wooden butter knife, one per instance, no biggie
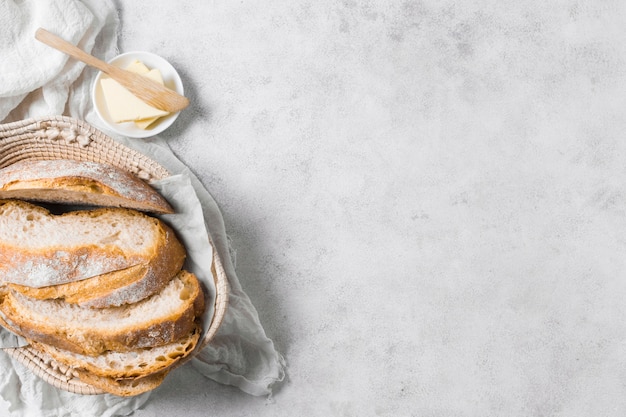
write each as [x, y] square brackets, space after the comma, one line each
[144, 88]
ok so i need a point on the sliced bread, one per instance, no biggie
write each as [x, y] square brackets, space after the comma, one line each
[67, 181]
[134, 363]
[155, 321]
[123, 387]
[38, 248]
[119, 287]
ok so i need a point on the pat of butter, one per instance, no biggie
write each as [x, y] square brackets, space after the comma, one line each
[138, 67]
[123, 106]
[154, 75]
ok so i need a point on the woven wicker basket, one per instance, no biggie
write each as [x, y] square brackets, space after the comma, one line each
[61, 137]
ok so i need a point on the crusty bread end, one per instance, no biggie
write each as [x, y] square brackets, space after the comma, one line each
[65, 181]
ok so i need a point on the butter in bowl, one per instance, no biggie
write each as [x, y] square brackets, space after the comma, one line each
[124, 113]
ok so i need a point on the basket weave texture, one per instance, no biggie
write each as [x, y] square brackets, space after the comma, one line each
[61, 137]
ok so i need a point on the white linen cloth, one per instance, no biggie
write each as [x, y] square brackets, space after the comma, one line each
[35, 81]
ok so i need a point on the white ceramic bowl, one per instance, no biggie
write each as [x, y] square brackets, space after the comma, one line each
[171, 79]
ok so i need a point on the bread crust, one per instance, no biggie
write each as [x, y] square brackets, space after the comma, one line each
[82, 339]
[67, 181]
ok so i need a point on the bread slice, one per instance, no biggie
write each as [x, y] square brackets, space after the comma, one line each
[155, 321]
[119, 287]
[120, 386]
[125, 387]
[67, 181]
[134, 363]
[39, 249]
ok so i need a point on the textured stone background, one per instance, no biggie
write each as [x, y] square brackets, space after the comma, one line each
[427, 198]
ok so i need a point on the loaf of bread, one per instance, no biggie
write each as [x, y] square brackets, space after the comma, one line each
[100, 291]
[65, 181]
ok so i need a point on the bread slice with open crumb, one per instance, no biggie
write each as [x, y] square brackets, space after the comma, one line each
[66, 181]
[41, 249]
[158, 320]
[123, 387]
[126, 387]
[119, 287]
[134, 363]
